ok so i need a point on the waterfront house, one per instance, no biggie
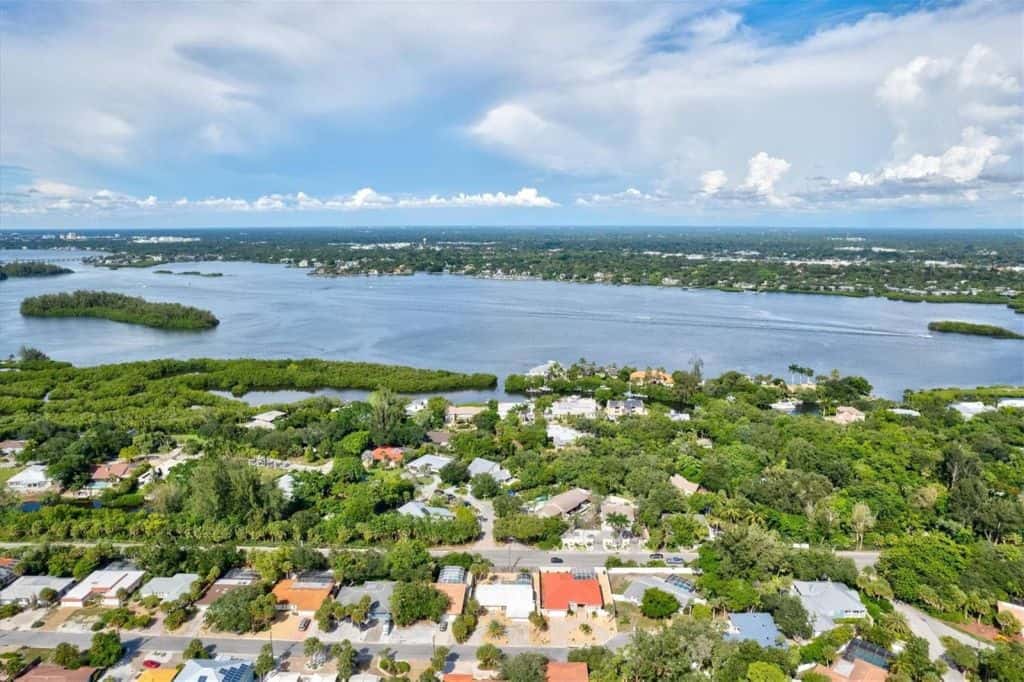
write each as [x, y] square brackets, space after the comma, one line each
[31, 479]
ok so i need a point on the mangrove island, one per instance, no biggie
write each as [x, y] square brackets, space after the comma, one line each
[119, 308]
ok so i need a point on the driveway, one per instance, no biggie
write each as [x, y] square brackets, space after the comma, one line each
[931, 629]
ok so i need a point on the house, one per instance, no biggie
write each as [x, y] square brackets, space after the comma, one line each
[439, 438]
[111, 472]
[846, 415]
[624, 408]
[1002, 403]
[7, 576]
[1016, 607]
[264, 420]
[379, 592]
[48, 672]
[12, 447]
[861, 662]
[826, 602]
[157, 675]
[493, 469]
[613, 504]
[573, 406]
[754, 627]
[415, 407]
[232, 580]
[785, 406]
[31, 479]
[169, 589]
[677, 416]
[107, 586]
[969, 410]
[462, 414]
[390, 456]
[567, 672]
[456, 593]
[562, 436]
[25, 591]
[419, 510]
[428, 464]
[216, 670]
[542, 370]
[303, 594]
[581, 539]
[564, 503]
[684, 486]
[506, 408]
[678, 587]
[513, 596]
[575, 590]
[286, 484]
[904, 412]
[651, 376]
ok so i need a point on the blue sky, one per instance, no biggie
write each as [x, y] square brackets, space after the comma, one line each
[774, 113]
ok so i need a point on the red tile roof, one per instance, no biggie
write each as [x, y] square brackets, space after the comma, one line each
[390, 454]
[559, 590]
[105, 472]
[45, 672]
[567, 672]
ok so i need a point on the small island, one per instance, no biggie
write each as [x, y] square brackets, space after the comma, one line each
[31, 269]
[954, 327]
[119, 308]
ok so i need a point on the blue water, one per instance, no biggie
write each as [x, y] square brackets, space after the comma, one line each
[459, 323]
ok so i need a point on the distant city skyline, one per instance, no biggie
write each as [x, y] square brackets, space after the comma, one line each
[835, 114]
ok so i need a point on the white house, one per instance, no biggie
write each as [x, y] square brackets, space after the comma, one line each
[562, 436]
[104, 585]
[418, 510]
[169, 589]
[1017, 403]
[624, 408]
[485, 466]
[25, 590]
[564, 503]
[428, 464]
[515, 599]
[216, 670]
[574, 406]
[970, 409]
[264, 420]
[32, 478]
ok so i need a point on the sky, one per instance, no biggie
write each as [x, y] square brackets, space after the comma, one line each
[817, 113]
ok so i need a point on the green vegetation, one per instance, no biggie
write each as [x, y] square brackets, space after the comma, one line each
[952, 327]
[658, 604]
[411, 602]
[119, 308]
[31, 269]
[246, 609]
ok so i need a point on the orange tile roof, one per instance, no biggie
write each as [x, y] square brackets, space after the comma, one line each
[456, 596]
[559, 590]
[8, 562]
[862, 671]
[458, 677]
[105, 472]
[388, 453]
[303, 598]
[567, 672]
[46, 672]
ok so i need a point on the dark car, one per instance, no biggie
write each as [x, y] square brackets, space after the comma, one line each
[557, 560]
[304, 624]
[675, 561]
[657, 556]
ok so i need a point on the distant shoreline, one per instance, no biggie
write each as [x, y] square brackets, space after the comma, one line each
[972, 329]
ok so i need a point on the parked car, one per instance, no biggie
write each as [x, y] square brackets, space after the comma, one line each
[150, 663]
[304, 624]
[444, 625]
[657, 556]
[557, 560]
[675, 561]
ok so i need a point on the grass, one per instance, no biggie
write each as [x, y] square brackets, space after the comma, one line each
[7, 472]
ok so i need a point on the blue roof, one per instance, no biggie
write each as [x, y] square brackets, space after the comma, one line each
[754, 627]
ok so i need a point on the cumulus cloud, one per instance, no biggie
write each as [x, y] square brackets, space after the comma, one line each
[53, 197]
[713, 180]
[906, 83]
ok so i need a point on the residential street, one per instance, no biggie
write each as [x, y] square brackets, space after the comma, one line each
[931, 629]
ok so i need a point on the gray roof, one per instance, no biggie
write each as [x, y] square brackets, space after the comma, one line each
[169, 589]
[28, 587]
[827, 601]
[755, 627]
[485, 466]
[379, 591]
[640, 584]
[430, 462]
[225, 670]
[452, 575]
[419, 510]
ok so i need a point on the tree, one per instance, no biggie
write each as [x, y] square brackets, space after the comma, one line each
[246, 609]
[760, 671]
[313, 650]
[658, 604]
[495, 629]
[409, 560]
[913, 663]
[484, 486]
[345, 656]
[463, 627]
[106, 650]
[526, 667]
[30, 354]
[265, 662]
[195, 649]
[489, 656]
[1009, 625]
[454, 473]
[387, 412]
[67, 656]
[411, 602]
[789, 614]
[439, 659]
[862, 521]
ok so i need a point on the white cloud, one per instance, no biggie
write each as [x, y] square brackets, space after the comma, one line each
[631, 196]
[55, 197]
[763, 172]
[906, 83]
[960, 163]
[713, 180]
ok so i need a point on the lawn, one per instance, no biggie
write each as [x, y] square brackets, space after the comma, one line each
[7, 472]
